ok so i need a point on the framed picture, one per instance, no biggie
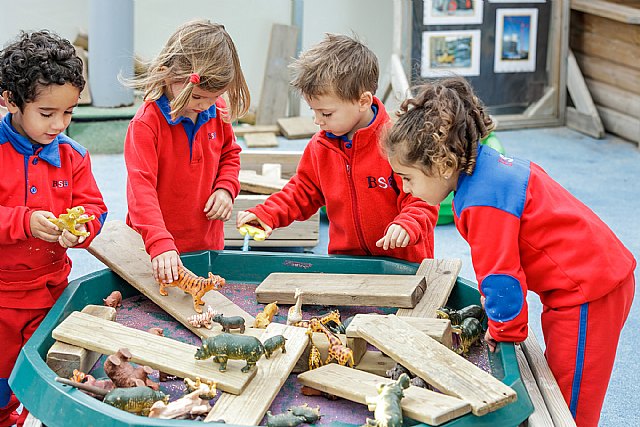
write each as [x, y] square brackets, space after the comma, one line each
[517, 1]
[450, 52]
[516, 32]
[450, 12]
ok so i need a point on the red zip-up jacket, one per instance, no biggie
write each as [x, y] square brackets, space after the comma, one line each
[526, 232]
[53, 177]
[360, 193]
[172, 174]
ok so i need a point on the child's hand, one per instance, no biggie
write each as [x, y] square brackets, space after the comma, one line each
[69, 240]
[219, 205]
[250, 218]
[165, 266]
[42, 228]
[395, 237]
[491, 342]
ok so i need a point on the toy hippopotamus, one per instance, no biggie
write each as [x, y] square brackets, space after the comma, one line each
[273, 343]
[229, 346]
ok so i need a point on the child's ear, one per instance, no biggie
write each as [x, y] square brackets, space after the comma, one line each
[365, 101]
[11, 106]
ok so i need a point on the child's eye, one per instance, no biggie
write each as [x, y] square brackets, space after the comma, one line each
[326, 114]
[46, 115]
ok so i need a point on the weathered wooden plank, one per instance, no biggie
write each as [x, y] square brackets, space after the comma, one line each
[164, 354]
[375, 290]
[441, 276]
[246, 129]
[259, 183]
[607, 28]
[375, 362]
[418, 403]
[438, 329]
[596, 45]
[448, 372]
[249, 407]
[606, 71]
[255, 159]
[615, 98]
[583, 123]
[621, 124]
[298, 127]
[261, 140]
[122, 250]
[607, 9]
[540, 416]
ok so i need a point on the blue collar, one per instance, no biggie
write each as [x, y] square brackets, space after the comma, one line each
[165, 108]
[50, 153]
[347, 141]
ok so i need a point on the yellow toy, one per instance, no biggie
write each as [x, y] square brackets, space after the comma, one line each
[73, 217]
[256, 233]
[266, 316]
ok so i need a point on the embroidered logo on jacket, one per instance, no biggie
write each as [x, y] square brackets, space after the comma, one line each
[383, 183]
[212, 135]
[508, 161]
[60, 183]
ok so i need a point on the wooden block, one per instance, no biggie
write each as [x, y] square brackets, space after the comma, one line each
[375, 362]
[63, 358]
[438, 329]
[163, 354]
[540, 416]
[441, 276]
[243, 130]
[261, 140]
[418, 403]
[298, 233]
[373, 290]
[249, 407]
[448, 372]
[253, 182]
[122, 250]
[274, 96]
[359, 347]
[255, 160]
[547, 384]
[298, 127]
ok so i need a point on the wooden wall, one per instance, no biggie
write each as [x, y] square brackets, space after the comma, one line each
[605, 37]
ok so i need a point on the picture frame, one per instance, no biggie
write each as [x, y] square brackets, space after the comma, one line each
[452, 12]
[517, 1]
[450, 52]
[515, 40]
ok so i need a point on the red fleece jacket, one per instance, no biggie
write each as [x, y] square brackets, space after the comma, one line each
[360, 193]
[169, 181]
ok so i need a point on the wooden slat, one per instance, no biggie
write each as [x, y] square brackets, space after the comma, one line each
[246, 129]
[375, 362]
[122, 250]
[164, 354]
[607, 9]
[595, 45]
[441, 276]
[621, 124]
[298, 127]
[607, 28]
[540, 416]
[257, 183]
[547, 384]
[606, 71]
[447, 371]
[249, 407]
[612, 97]
[255, 159]
[374, 290]
[584, 123]
[418, 403]
[438, 329]
[261, 140]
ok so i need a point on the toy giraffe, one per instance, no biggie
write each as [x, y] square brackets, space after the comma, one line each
[295, 311]
[341, 353]
[332, 316]
[315, 360]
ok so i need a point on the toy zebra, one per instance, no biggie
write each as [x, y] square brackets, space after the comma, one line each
[203, 319]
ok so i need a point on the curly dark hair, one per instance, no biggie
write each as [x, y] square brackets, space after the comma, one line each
[35, 60]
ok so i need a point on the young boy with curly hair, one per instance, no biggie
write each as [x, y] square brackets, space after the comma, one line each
[342, 166]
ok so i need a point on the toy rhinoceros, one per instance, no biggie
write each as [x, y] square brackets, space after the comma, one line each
[230, 346]
[137, 400]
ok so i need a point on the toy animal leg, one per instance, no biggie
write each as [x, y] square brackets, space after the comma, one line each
[196, 307]
[242, 329]
[223, 363]
[329, 359]
[371, 422]
[163, 292]
[248, 366]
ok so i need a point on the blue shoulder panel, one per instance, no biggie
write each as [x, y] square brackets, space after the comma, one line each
[497, 181]
[64, 139]
[504, 297]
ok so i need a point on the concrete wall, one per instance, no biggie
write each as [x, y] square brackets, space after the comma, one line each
[248, 21]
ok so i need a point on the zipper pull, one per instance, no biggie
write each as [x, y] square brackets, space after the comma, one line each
[348, 169]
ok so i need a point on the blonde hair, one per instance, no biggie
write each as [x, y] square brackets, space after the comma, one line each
[338, 65]
[440, 128]
[204, 48]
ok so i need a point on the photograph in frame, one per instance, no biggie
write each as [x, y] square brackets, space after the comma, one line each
[450, 52]
[516, 32]
[452, 12]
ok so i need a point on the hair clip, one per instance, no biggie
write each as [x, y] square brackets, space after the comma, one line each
[194, 78]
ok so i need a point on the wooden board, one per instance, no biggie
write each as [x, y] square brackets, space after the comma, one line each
[606, 71]
[375, 362]
[121, 249]
[597, 45]
[441, 276]
[604, 27]
[621, 124]
[260, 183]
[163, 354]
[418, 403]
[540, 416]
[255, 159]
[297, 127]
[249, 407]
[585, 119]
[63, 358]
[447, 371]
[373, 290]
[261, 140]
[612, 97]
[607, 9]
[438, 329]
[243, 130]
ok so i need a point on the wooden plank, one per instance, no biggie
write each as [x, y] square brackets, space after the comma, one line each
[547, 384]
[298, 127]
[612, 97]
[583, 123]
[438, 329]
[625, 126]
[578, 88]
[255, 183]
[32, 421]
[418, 403]
[606, 28]
[255, 159]
[249, 407]
[616, 51]
[540, 416]
[164, 354]
[63, 358]
[122, 250]
[243, 130]
[441, 276]
[373, 290]
[447, 371]
[261, 140]
[606, 71]
[607, 9]
[375, 362]
[275, 85]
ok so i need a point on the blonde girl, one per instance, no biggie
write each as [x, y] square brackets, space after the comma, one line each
[180, 151]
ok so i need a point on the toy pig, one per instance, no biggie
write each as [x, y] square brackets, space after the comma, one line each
[113, 300]
[123, 374]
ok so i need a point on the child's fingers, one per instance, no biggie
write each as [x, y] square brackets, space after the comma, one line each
[174, 267]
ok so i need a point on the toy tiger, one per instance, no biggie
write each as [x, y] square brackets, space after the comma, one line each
[195, 285]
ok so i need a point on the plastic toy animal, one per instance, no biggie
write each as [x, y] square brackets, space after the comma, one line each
[295, 311]
[397, 370]
[203, 319]
[287, 419]
[192, 386]
[273, 343]
[315, 360]
[195, 285]
[266, 316]
[230, 346]
[469, 332]
[310, 414]
[256, 233]
[113, 300]
[123, 374]
[332, 317]
[195, 402]
[341, 353]
[228, 323]
[73, 217]
[386, 407]
[457, 316]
